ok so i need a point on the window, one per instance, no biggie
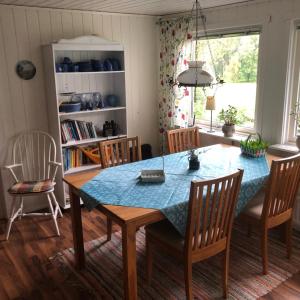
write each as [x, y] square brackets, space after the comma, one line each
[293, 104]
[236, 61]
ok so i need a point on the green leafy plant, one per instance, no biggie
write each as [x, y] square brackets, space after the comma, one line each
[254, 147]
[233, 116]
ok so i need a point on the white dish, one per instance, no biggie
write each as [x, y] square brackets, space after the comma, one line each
[152, 176]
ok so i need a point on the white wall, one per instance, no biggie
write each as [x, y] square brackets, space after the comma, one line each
[23, 103]
[276, 18]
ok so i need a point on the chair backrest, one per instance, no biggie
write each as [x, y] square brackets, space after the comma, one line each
[34, 150]
[282, 189]
[210, 216]
[183, 139]
[120, 151]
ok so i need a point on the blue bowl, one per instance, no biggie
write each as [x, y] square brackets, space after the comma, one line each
[68, 107]
[108, 66]
[97, 65]
[112, 100]
[65, 67]
[58, 68]
[85, 66]
[116, 64]
[73, 68]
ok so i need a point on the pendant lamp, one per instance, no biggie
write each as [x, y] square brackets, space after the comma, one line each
[195, 75]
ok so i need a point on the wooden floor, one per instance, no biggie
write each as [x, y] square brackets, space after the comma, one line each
[25, 271]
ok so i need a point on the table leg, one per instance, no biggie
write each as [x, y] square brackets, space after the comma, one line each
[129, 261]
[77, 230]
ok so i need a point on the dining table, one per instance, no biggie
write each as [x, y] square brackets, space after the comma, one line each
[114, 200]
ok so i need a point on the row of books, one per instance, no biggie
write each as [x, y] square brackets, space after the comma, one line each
[74, 130]
[74, 157]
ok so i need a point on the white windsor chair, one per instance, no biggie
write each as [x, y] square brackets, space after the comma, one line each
[34, 169]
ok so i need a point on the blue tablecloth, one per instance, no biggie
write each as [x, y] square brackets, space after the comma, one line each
[120, 185]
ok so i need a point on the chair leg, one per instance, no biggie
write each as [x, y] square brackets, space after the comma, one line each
[149, 257]
[56, 204]
[108, 228]
[225, 272]
[11, 218]
[249, 232]
[289, 231]
[21, 208]
[188, 280]
[264, 250]
[53, 214]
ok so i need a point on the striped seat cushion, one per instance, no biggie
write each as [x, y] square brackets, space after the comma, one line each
[27, 187]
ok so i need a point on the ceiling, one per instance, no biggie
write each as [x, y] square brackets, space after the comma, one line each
[147, 7]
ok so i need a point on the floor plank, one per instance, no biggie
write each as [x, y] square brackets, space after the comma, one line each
[26, 273]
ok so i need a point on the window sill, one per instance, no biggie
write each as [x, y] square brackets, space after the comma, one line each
[283, 149]
[237, 137]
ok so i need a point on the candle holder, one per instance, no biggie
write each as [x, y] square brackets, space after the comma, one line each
[210, 105]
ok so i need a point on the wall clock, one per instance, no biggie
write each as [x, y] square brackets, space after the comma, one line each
[25, 69]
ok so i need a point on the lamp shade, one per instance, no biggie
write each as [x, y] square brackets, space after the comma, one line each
[210, 103]
[195, 76]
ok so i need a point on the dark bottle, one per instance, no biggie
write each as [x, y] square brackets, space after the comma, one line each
[105, 128]
[113, 127]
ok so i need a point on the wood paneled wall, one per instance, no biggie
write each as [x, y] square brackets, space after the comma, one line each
[23, 103]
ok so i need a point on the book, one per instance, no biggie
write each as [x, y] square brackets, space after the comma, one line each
[74, 130]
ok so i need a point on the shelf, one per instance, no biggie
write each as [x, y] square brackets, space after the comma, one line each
[83, 49]
[92, 72]
[83, 112]
[82, 169]
[91, 141]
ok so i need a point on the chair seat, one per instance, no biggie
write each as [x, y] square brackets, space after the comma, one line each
[164, 231]
[30, 187]
[255, 206]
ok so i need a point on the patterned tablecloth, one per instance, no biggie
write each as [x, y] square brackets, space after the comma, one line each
[120, 185]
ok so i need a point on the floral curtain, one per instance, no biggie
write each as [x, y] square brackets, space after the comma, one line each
[175, 51]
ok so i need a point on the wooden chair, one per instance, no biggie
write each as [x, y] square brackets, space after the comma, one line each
[274, 205]
[117, 152]
[210, 217]
[34, 170]
[183, 139]
[120, 151]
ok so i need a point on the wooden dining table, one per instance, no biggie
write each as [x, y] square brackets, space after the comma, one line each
[130, 219]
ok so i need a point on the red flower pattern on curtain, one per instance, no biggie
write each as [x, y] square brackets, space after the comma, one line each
[175, 51]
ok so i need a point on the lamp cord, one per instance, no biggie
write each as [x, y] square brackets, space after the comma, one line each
[203, 18]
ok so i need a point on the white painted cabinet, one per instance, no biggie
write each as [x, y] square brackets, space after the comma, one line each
[83, 49]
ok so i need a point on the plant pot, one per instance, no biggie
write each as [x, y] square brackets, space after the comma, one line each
[228, 130]
[298, 141]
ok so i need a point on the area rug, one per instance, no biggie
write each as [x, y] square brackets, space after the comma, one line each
[102, 278]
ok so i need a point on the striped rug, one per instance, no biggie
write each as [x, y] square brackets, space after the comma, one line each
[102, 278]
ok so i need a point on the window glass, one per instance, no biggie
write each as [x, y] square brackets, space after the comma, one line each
[235, 61]
[294, 89]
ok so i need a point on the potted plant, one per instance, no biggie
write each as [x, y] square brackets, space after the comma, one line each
[295, 112]
[231, 117]
[194, 163]
[254, 147]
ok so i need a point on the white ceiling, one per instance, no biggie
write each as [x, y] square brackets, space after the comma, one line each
[147, 7]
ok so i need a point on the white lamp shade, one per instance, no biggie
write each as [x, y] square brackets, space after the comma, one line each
[210, 103]
[195, 75]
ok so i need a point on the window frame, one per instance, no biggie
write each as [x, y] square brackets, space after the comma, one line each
[231, 33]
[293, 85]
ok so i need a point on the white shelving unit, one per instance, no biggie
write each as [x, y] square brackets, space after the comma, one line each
[106, 82]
